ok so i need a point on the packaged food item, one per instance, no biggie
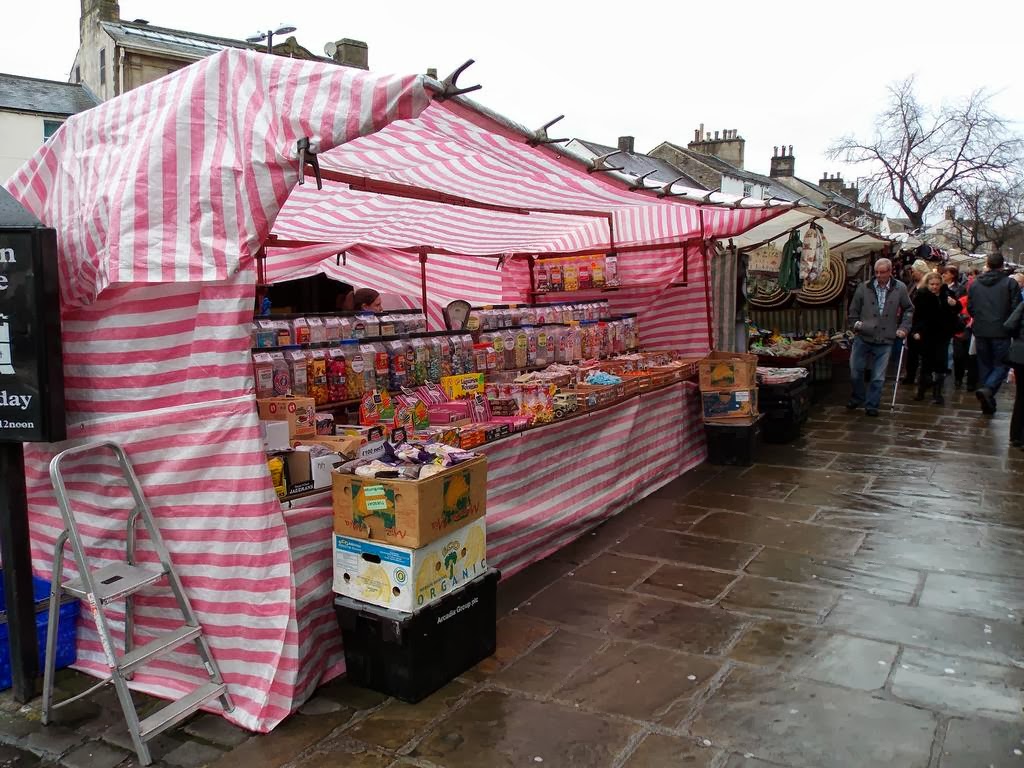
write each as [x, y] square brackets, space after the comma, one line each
[540, 276]
[263, 374]
[423, 355]
[570, 276]
[376, 360]
[317, 330]
[466, 342]
[555, 275]
[531, 345]
[611, 270]
[282, 374]
[337, 373]
[480, 356]
[297, 369]
[597, 271]
[542, 356]
[276, 466]
[445, 344]
[284, 333]
[522, 344]
[583, 266]
[264, 334]
[346, 327]
[332, 330]
[359, 323]
[300, 330]
[434, 366]
[390, 325]
[398, 359]
[316, 376]
[324, 423]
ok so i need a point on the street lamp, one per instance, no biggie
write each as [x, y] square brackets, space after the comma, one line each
[284, 29]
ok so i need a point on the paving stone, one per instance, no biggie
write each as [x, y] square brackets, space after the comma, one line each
[639, 682]
[12, 757]
[928, 628]
[192, 754]
[499, 730]
[53, 740]
[677, 627]
[787, 535]
[118, 736]
[765, 597]
[987, 743]
[774, 487]
[960, 685]
[753, 505]
[992, 560]
[355, 698]
[396, 722]
[546, 666]
[216, 730]
[14, 727]
[351, 757]
[676, 517]
[516, 634]
[615, 571]
[799, 722]
[94, 754]
[827, 657]
[680, 582]
[683, 548]
[580, 605]
[660, 751]
[858, 574]
[996, 599]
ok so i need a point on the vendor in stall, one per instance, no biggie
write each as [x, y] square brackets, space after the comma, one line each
[366, 300]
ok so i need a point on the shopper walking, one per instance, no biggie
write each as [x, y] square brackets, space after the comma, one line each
[991, 300]
[912, 358]
[935, 312]
[880, 312]
[1015, 327]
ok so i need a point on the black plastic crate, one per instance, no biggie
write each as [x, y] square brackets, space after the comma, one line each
[732, 444]
[780, 430]
[411, 655]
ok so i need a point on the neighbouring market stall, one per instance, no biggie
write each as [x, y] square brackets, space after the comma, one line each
[162, 200]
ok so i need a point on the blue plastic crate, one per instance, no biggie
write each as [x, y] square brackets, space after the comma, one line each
[66, 625]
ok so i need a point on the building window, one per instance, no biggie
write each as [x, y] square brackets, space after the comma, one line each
[748, 190]
[103, 66]
[50, 127]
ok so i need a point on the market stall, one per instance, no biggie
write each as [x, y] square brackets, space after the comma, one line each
[422, 191]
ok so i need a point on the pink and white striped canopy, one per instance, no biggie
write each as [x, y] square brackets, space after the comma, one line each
[183, 180]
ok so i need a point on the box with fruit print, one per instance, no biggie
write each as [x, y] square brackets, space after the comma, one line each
[410, 513]
[408, 579]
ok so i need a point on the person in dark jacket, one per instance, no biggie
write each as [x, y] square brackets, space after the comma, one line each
[912, 358]
[935, 312]
[991, 300]
[1015, 327]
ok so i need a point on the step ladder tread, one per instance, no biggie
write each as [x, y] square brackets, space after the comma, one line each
[156, 647]
[178, 710]
[115, 581]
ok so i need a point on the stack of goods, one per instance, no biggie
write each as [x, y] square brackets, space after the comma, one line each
[417, 601]
[576, 273]
[778, 349]
[784, 397]
[729, 395]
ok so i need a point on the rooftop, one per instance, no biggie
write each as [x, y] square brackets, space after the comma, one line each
[48, 97]
[637, 164]
[775, 190]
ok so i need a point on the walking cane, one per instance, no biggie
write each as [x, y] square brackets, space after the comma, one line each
[899, 371]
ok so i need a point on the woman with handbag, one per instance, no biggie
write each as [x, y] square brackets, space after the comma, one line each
[935, 316]
[1015, 325]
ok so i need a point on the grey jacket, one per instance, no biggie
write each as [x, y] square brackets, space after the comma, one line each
[991, 299]
[1015, 328]
[875, 326]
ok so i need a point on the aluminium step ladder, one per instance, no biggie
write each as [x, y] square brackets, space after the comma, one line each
[119, 581]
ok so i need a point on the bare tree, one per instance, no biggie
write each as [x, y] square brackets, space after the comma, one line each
[991, 213]
[919, 154]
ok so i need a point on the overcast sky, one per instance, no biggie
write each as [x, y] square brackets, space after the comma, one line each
[781, 73]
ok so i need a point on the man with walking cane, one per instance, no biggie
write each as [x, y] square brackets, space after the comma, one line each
[880, 312]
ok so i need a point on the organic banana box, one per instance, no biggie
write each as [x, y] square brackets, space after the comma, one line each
[408, 579]
[410, 513]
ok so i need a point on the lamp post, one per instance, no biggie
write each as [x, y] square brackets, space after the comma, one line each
[284, 29]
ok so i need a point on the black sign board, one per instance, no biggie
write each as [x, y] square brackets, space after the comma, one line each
[31, 369]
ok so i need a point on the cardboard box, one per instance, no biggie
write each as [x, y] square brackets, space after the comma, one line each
[410, 513]
[275, 435]
[322, 468]
[730, 403]
[728, 370]
[463, 385]
[408, 579]
[345, 445]
[367, 434]
[299, 472]
[299, 412]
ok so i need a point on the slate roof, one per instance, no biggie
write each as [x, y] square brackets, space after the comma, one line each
[48, 97]
[717, 164]
[637, 163]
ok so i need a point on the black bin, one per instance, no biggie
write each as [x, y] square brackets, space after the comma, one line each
[411, 655]
[732, 444]
[785, 408]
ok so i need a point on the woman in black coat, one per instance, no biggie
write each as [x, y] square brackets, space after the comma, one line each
[935, 312]
[1015, 325]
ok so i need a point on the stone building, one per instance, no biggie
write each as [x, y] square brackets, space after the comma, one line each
[116, 55]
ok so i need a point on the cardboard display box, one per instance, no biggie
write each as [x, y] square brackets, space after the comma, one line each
[409, 579]
[410, 513]
[299, 412]
[728, 370]
[275, 435]
[730, 403]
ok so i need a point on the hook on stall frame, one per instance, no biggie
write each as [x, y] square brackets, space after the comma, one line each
[638, 182]
[341, 259]
[600, 163]
[308, 156]
[450, 85]
[666, 190]
[540, 136]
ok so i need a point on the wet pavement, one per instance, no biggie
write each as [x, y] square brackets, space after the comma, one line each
[855, 599]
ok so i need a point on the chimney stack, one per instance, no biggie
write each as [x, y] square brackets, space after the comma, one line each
[950, 213]
[726, 144]
[352, 53]
[626, 144]
[783, 163]
[432, 72]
